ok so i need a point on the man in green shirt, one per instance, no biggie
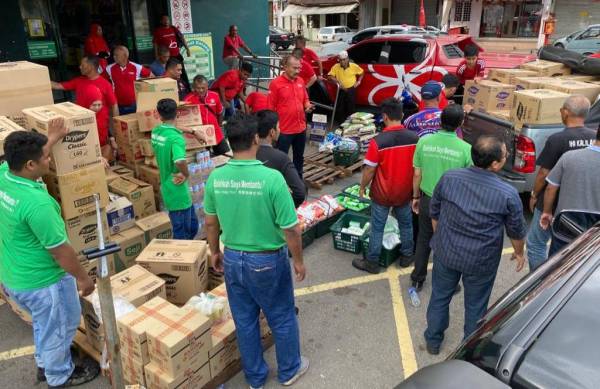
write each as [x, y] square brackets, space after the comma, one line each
[168, 144]
[434, 156]
[38, 267]
[252, 206]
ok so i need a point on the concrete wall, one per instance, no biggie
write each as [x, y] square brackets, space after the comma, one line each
[251, 17]
[573, 15]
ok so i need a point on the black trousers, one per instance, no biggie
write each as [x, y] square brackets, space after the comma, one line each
[346, 105]
[423, 238]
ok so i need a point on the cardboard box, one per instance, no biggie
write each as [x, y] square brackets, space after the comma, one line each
[135, 285]
[537, 106]
[156, 226]
[23, 85]
[119, 213]
[145, 145]
[158, 84]
[118, 171]
[225, 349]
[504, 114]
[531, 82]
[80, 148]
[179, 339]
[573, 87]
[580, 77]
[92, 269]
[129, 154]
[181, 263]
[488, 95]
[75, 191]
[7, 127]
[194, 377]
[210, 137]
[133, 370]
[127, 129]
[148, 93]
[188, 115]
[83, 230]
[547, 68]
[508, 76]
[132, 243]
[140, 193]
[150, 175]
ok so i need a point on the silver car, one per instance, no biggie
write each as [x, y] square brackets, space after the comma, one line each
[585, 41]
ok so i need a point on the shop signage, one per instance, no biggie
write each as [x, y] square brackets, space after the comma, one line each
[181, 15]
[201, 60]
[144, 42]
[42, 49]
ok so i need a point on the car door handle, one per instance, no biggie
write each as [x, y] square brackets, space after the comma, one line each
[415, 72]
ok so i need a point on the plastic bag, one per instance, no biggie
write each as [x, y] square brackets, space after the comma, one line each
[391, 233]
[209, 305]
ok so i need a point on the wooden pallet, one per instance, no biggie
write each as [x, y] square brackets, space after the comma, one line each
[319, 169]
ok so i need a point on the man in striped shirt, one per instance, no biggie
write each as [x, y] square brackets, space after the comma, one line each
[469, 209]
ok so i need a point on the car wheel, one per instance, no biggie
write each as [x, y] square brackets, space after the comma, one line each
[273, 46]
[559, 45]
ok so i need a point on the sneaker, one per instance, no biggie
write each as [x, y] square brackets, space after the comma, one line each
[405, 261]
[41, 374]
[304, 363]
[418, 285]
[364, 265]
[433, 350]
[87, 372]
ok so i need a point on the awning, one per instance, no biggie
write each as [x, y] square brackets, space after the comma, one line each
[293, 10]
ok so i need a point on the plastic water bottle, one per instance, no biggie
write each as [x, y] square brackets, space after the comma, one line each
[414, 296]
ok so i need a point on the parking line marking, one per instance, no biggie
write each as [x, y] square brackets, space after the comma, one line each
[17, 352]
[339, 284]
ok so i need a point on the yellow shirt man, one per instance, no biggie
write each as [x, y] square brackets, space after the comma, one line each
[346, 76]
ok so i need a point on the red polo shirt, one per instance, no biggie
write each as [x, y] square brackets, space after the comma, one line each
[257, 101]
[210, 109]
[306, 71]
[310, 56]
[231, 81]
[465, 73]
[443, 102]
[230, 45]
[167, 36]
[391, 153]
[123, 79]
[79, 85]
[288, 98]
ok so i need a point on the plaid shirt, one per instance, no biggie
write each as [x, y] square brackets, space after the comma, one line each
[472, 207]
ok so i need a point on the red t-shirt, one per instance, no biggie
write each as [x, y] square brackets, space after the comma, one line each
[464, 73]
[123, 79]
[311, 57]
[231, 45]
[391, 153]
[306, 71]
[210, 109]
[231, 81]
[79, 84]
[443, 102]
[288, 98]
[167, 36]
[257, 101]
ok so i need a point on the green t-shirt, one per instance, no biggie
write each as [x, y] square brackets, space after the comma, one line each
[169, 147]
[436, 154]
[253, 204]
[30, 224]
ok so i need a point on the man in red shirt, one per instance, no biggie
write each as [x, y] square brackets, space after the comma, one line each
[472, 67]
[230, 86]
[123, 74]
[309, 55]
[170, 36]
[232, 44]
[289, 98]
[307, 73]
[389, 171]
[256, 101]
[90, 76]
[450, 84]
[211, 110]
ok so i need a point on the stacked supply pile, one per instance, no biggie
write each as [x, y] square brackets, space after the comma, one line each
[23, 85]
[126, 130]
[360, 127]
[485, 96]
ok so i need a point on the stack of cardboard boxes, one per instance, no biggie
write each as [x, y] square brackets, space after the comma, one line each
[23, 85]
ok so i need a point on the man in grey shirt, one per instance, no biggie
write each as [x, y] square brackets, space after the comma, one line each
[576, 174]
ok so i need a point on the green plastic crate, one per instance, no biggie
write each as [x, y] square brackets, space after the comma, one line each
[348, 242]
[344, 191]
[308, 236]
[386, 258]
[324, 227]
[345, 158]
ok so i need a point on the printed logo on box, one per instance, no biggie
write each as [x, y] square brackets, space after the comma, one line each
[502, 95]
[473, 90]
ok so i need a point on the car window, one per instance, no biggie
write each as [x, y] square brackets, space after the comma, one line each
[339, 30]
[592, 33]
[452, 51]
[406, 52]
[363, 35]
[366, 53]
[326, 31]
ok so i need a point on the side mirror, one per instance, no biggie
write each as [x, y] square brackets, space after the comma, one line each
[568, 225]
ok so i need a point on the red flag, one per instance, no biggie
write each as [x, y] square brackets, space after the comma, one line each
[422, 22]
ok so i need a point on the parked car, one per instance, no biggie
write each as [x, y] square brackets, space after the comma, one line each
[524, 146]
[393, 63]
[543, 332]
[372, 32]
[585, 41]
[334, 34]
[280, 39]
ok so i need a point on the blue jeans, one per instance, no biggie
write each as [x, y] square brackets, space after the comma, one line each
[185, 223]
[297, 142]
[537, 240]
[379, 215]
[477, 290]
[263, 281]
[127, 109]
[55, 313]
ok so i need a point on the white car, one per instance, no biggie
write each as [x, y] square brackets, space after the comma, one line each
[371, 32]
[334, 34]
